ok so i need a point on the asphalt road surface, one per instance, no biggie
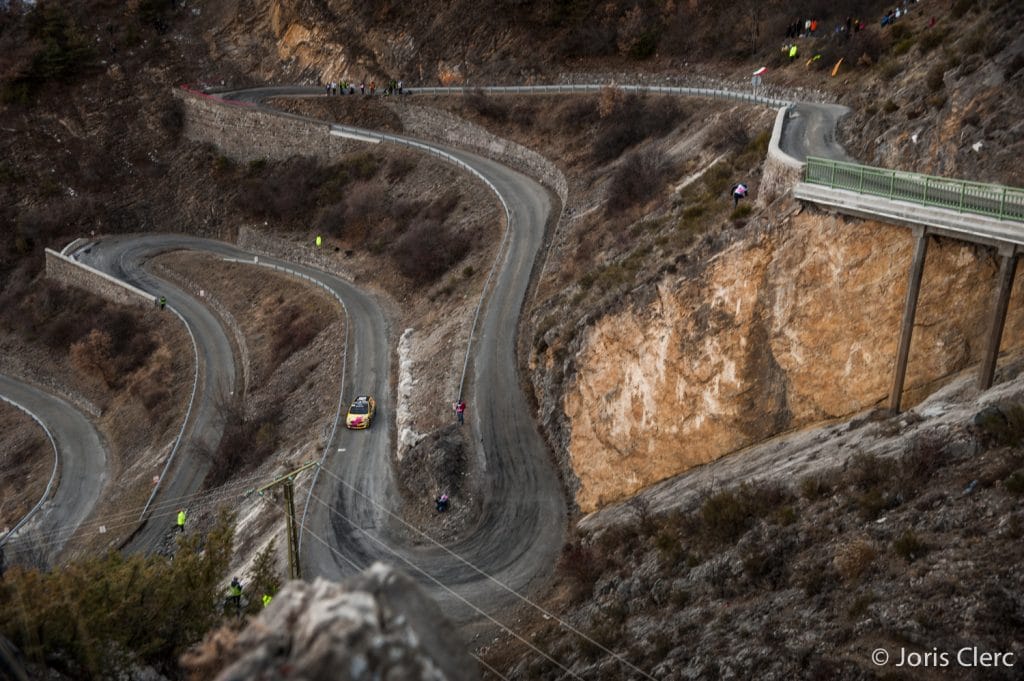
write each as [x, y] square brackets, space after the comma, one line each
[123, 258]
[810, 130]
[523, 521]
[82, 474]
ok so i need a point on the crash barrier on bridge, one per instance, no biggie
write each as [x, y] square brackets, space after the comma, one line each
[709, 93]
[53, 474]
[992, 200]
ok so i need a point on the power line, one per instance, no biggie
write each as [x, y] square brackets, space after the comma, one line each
[435, 581]
[492, 578]
[489, 667]
[32, 541]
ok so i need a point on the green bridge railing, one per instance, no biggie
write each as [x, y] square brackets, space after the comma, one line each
[993, 200]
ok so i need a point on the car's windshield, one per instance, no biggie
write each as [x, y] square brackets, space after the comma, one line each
[360, 408]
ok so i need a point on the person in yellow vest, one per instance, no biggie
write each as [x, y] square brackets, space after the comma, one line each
[235, 595]
[266, 599]
[319, 241]
[792, 52]
[181, 521]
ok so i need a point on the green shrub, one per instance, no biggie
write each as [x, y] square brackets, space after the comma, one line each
[103, 617]
[909, 547]
[934, 79]
[726, 516]
[931, 39]
[903, 46]
[741, 211]
[1014, 483]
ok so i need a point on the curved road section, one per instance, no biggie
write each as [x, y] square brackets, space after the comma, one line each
[810, 130]
[123, 257]
[82, 474]
[522, 526]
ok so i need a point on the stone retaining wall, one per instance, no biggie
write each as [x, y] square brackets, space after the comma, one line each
[70, 272]
[446, 128]
[781, 171]
[16, 367]
[247, 133]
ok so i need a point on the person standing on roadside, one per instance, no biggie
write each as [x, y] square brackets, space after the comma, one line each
[235, 595]
[460, 410]
[180, 525]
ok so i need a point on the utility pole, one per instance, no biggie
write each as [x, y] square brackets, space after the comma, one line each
[288, 481]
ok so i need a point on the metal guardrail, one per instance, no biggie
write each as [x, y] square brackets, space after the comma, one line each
[344, 365]
[710, 93]
[369, 135]
[53, 474]
[962, 196]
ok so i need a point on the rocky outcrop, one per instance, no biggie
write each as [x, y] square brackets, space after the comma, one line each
[376, 625]
[795, 324]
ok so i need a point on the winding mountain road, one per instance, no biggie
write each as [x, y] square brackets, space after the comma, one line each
[523, 521]
[82, 459]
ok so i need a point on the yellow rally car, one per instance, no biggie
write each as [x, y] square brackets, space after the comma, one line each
[360, 414]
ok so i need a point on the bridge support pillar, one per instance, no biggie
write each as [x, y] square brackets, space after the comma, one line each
[909, 311]
[1007, 272]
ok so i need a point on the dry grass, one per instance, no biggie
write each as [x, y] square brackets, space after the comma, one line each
[853, 559]
[25, 463]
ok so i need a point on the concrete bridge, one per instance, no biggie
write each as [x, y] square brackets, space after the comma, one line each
[985, 214]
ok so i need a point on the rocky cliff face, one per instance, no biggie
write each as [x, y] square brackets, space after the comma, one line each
[378, 624]
[796, 324]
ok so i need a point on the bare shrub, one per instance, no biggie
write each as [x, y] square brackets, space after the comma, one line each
[427, 250]
[726, 516]
[398, 167]
[579, 565]
[854, 559]
[578, 112]
[934, 80]
[244, 444]
[92, 356]
[331, 219]
[640, 177]
[363, 204]
[909, 546]
[488, 107]
[294, 328]
[590, 40]
[632, 120]
[729, 134]
[440, 208]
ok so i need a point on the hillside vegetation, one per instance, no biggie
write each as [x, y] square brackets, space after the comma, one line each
[915, 547]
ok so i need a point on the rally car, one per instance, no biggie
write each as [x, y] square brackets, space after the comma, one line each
[360, 414]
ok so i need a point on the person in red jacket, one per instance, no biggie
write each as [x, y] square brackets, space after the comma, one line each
[460, 409]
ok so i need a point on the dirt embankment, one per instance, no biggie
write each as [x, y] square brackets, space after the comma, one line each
[287, 337]
[26, 461]
[799, 557]
[130, 369]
